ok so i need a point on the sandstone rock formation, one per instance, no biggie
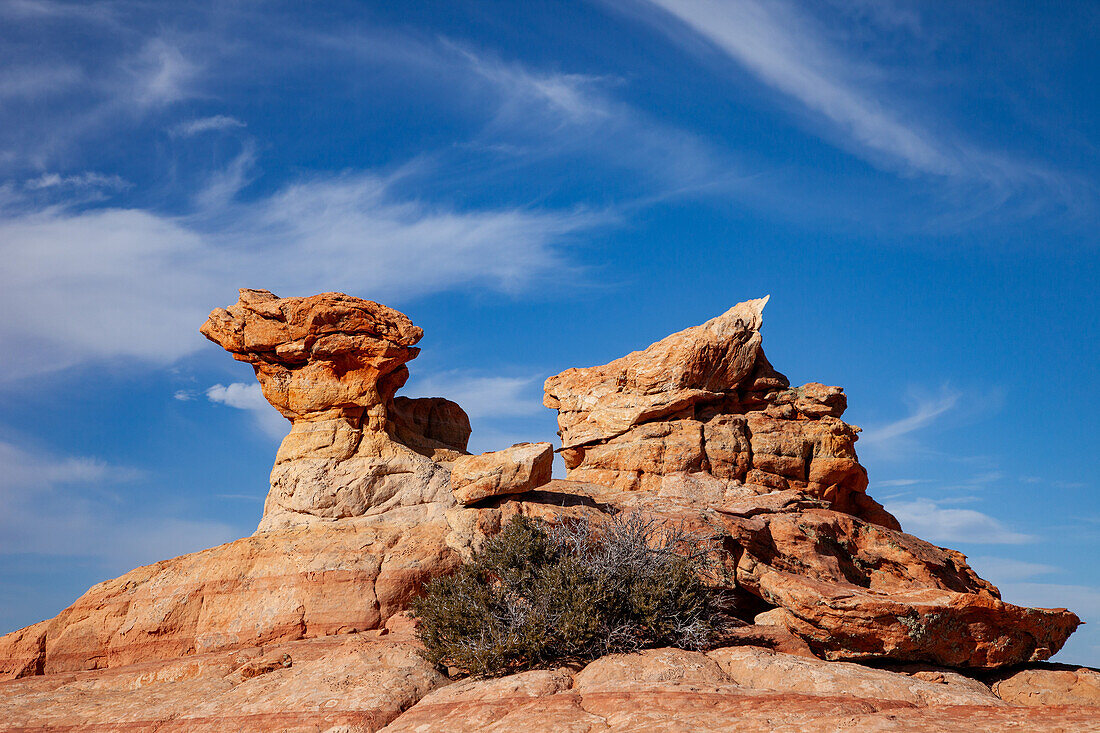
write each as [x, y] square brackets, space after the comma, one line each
[706, 400]
[299, 626]
[357, 682]
[849, 588]
[277, 586]
[331, 364]
[738, 689]
[523, 467]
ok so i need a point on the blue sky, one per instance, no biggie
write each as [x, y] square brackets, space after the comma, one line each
[545, 185]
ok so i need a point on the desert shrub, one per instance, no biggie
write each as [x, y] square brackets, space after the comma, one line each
[539, 594]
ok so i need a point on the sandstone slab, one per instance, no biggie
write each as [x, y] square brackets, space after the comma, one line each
[353, 683]
[706, 400]
[676, 690]
[523, 467]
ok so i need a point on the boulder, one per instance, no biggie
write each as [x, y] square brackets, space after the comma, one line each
[523, 467]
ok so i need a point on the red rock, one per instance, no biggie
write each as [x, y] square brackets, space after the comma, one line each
[347, 683]
[699, 430]
[706, 400]
[1050, 684]
[275, 586]
[331, 364]
[523, 467]
[743, 690]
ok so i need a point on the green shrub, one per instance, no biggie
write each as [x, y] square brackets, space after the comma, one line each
[539, 595]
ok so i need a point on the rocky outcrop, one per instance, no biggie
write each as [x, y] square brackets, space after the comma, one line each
[373, 494]
[357, 682]
[331, 364]
[742, 689]
[277, 586]
[849, 588]
[706, 400]
[523, 467]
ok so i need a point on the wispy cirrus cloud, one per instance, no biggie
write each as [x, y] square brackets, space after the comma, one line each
[63, 505]
[347, 232]
[781, 47]
[808, 55]
[892, 437]
[86, 179]
[200, 125]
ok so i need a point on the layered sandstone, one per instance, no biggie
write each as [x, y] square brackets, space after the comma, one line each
[706, 400]
[742, 689]
[373, 494]
[277, 586]
[848, 588]
[331, 364]
[357, 682]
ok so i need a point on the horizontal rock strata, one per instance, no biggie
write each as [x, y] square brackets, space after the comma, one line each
[276, 586]
[742, 689]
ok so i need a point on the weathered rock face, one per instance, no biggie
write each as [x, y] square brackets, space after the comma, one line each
[523, 467]
[699, 427]
[331, 364]
[283, 630]
[284, 585]
[848, 588]
[742, 689]
[357, 682]
[1051, 684]
[706, 400]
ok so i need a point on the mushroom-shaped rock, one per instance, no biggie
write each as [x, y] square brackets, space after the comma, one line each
[331, 364]
[515, 470]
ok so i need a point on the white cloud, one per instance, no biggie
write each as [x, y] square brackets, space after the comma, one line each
[23, 467]
[783, 49]
[1002, 570]
[249, 397]
[87, 179]
[482, 396]
[789, 49]
[132, 283]
[222, 187]
[160, 74]
[206, 124]
[925, 410]
[928, 519]
[239, 395]
[183, 395]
